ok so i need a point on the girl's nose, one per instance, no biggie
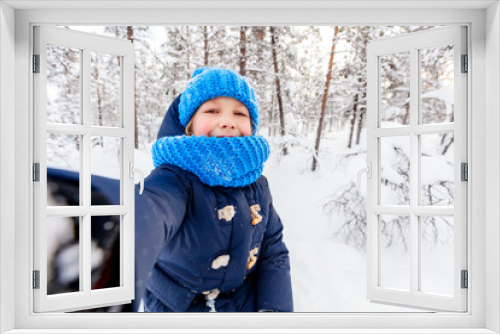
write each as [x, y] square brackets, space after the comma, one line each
[227, 122]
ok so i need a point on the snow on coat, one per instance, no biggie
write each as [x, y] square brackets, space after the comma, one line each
[198, 243]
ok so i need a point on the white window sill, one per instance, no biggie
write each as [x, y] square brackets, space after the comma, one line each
[248, 331]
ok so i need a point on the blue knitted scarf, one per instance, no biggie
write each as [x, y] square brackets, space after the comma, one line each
[225, 161]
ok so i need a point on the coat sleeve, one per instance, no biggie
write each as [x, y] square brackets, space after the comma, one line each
[274, 287]
[159, 213]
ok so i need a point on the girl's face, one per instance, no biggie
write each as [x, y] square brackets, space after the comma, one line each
[221, 117]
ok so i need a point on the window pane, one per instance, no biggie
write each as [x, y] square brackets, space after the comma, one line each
[437, 254]
[106, 157]
[63, 84]
[394, 243]
[395, 89]
[63, 255]
[63, 169]
[437, 169]
[106, 267]
[395, 170]
[437, 75]
[105, 89]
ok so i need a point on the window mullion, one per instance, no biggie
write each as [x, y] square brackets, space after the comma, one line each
[85, 251]
[85, 180]
[76, 129]
[414, 171]
[419, 129]
[418, 210]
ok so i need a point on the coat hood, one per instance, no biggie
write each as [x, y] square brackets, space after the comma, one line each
[171, 126]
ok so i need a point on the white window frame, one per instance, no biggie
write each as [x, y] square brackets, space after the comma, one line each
[86, 43]
[412, 44]
[483, 20]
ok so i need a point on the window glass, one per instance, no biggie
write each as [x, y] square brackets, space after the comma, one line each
[395, 170]
[106, 264]
[436, 254]
[395, 89]
[106, 168]
[437, 80]
[63, 169]
[105, 89]
[63, 84]
[63, 255]
[437, 169]
[394, 243]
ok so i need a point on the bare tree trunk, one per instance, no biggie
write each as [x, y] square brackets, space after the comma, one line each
[353, 118]
[332, 114]
[130, 37]
[99, 103]
[308, 99]
[205, 50]
[274, 40]
[271, 114]
[188, 58]
[325, 98]
[447, 146]
[95, 76]
[117, 34]
[360, 126]
[407, 112]
[243, 50]
[359, 109]
[361, 112]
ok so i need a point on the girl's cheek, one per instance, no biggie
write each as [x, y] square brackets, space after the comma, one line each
[203, 130]
[201, 126]
[246, 129]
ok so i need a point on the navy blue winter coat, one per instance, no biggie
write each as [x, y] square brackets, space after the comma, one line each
[196, 238]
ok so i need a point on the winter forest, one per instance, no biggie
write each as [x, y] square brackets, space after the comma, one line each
[311, 86]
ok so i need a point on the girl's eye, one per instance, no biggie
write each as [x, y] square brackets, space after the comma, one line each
[241, 114]
[210, 111]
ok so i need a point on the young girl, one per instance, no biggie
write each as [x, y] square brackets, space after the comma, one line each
[216, 237]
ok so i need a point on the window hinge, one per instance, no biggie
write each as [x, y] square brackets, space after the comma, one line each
[36, 63]
[465, 171]
[36, 279]
[465, 279]
[36, 172]
[465, 64]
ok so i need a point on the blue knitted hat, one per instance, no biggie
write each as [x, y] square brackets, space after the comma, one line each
[208, 83]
